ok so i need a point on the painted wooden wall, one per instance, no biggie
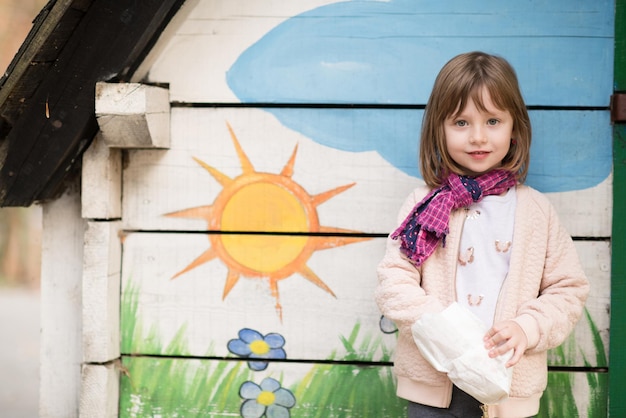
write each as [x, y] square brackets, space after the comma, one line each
[249, 247]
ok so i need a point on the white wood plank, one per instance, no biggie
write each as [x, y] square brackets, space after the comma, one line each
[101, 292]
[223, 29]
[160, 182]
[61, 278]
[348, 51]
[100, 391]
[101, 181]
[595, 257]
[575, 394]
[195, 300]
[587, 212]
[182, 387]
[141, 74]
[329, 390]
[194, 303]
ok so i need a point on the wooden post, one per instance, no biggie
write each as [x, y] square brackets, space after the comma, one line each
[61, 277]
[101, 208]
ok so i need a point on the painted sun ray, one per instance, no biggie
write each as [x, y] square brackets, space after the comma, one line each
[200, 212]
[246, 165]
[205, 257]
[221, 178]
[273, 282]
[276, 295]
[324, 243]
[323, 197]
[288, 169]
[310, 275]
[231, 280]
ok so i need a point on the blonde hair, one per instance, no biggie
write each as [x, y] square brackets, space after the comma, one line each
[461, 79]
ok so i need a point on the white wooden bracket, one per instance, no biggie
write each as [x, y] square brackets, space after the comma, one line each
[133, 115]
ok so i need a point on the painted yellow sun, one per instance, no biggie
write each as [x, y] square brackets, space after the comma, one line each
[268, 226]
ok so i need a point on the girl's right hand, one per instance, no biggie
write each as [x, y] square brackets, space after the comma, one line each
[505, 336]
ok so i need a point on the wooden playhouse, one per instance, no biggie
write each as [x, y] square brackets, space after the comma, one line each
[218, 178]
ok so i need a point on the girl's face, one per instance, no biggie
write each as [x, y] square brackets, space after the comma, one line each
[479, 140]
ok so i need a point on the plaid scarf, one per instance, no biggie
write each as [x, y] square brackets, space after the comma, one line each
[427, 223]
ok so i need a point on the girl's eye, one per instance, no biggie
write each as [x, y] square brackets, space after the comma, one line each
[492, 122]
[460, 123]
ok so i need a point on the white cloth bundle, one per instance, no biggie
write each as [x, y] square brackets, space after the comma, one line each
[452, 342]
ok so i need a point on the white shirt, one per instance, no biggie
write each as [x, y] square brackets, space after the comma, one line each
[484, 254]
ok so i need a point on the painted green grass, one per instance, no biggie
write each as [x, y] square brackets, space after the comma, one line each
[177, 387]
[134, 339]
[598, 383]
[168, 387]
[559, 399]
[172, 387]
[133, 336]
[357, 391]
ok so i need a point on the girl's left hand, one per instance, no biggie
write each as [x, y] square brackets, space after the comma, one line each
[503, 337]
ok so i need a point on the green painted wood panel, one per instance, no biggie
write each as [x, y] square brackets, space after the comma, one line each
[617, 370]
[620, 46]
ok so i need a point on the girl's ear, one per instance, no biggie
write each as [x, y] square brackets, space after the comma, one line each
[514, 136]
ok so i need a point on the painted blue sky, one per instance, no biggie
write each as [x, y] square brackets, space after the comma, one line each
[389, 53]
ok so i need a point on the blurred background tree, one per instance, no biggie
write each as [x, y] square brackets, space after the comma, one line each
[20, 228]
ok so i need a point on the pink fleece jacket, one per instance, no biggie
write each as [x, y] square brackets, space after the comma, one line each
[544, 292]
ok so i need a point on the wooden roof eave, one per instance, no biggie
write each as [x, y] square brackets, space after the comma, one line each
[47, 115]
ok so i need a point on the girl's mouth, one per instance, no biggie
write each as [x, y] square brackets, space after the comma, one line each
[479, 154]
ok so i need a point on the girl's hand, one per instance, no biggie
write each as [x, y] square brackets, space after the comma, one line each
[503, 337]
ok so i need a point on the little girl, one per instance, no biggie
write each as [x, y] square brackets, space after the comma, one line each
[476, 235]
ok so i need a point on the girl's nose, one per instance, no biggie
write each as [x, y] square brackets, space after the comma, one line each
[477, 136]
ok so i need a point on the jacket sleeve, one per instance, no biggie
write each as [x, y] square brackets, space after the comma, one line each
[399, 295]
[551, 317]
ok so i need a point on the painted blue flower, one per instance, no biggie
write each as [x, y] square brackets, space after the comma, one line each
[253, 345]
[269, 399]
[387, 325]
